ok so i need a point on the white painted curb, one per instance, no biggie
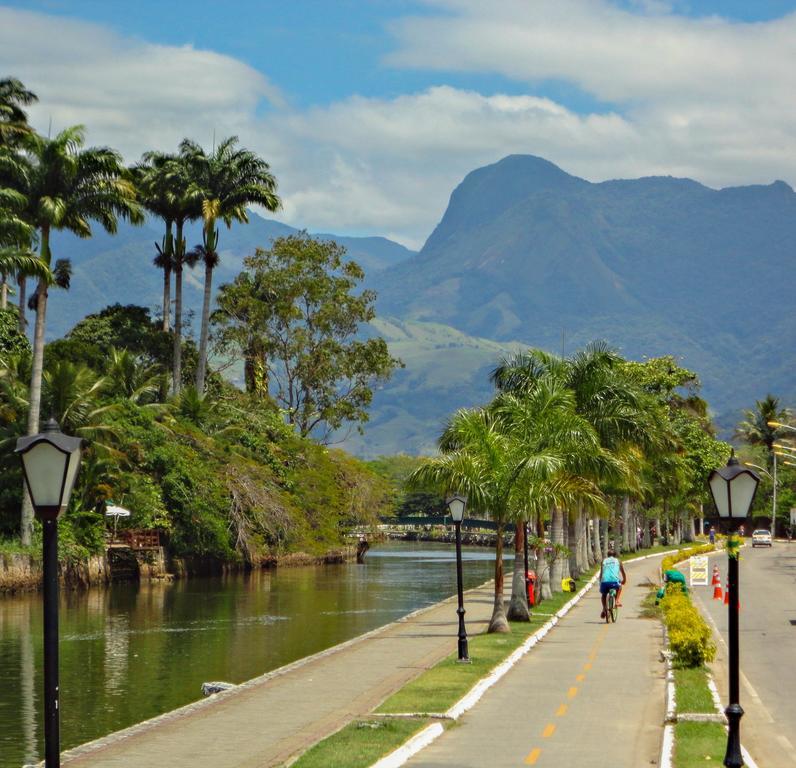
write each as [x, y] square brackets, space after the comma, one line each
[410, 748]
[471, 698]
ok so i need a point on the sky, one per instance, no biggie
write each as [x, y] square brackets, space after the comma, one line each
[370, 112]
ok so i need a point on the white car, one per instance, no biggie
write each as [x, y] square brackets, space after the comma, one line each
[761, 538]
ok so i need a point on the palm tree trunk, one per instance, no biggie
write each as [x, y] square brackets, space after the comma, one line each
[646, 541]
[22, 284]
[177, 351]
[202, 365]
[498, 622]
[3, 292]
[166, 298]
[518, 607]
[573, 544]
[557, 538]
[625, 523]
[26, 527]
[542, 563]
[690, 534]
[598, 554]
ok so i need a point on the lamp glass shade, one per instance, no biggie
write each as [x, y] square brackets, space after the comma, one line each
[742, 491]
[50, 462]
[733, 490]
[46, 468]
[456, 506]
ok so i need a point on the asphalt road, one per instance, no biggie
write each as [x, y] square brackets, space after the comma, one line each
[767, 635]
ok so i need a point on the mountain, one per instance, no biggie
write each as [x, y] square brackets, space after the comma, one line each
[526, 252]
[118, 268]
[529, 255]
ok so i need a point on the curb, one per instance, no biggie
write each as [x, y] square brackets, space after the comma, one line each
[472, 697]
[411, 747]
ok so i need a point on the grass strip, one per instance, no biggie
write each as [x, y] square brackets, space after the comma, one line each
[361, 743]
[698, 744]
[440, 687]
[692, 692]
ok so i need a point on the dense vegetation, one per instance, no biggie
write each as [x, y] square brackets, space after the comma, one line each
[219, 472]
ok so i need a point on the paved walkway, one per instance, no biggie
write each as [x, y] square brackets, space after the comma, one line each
[591, 695]
[268, 720]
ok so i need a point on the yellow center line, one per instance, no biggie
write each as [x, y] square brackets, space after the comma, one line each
[533, 756]
[580, 678]
[587, 667]
[562, 710]
[572, 692]
[548, 731]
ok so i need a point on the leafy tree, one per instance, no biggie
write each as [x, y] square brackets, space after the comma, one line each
[293, 314]
[67, 187]
[12, 340]
[226, 181]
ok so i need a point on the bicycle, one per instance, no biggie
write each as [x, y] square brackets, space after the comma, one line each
[611, 608]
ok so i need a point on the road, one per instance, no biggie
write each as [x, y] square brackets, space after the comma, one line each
[591, 695]
[767, 648]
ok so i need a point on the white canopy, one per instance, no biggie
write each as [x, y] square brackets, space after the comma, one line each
[111, 510]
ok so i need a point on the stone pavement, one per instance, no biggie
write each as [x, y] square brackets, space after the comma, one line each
[268, 720]
[590, 695]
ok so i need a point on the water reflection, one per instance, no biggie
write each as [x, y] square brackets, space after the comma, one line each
[132, 652]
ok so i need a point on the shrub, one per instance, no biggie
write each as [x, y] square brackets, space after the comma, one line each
[690, 637]
[670, 561]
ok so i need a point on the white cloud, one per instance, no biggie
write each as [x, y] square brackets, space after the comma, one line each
[704, 98]
[129, 93]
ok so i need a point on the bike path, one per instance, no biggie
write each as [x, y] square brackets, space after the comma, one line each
[590, 695]
[268, 720]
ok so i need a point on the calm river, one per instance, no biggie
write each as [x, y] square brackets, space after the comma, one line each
[131, 652]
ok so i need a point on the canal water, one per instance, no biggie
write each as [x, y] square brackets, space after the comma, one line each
[131, 652]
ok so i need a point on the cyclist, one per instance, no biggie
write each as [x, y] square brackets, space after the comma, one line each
[611, 571]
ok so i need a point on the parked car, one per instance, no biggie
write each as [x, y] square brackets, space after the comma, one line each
[761, 538]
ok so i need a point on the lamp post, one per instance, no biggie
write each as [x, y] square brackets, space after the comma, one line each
[50, 461]
[733, 489]
[456, 506]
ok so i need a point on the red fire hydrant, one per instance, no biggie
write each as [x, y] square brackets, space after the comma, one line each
[530, 583]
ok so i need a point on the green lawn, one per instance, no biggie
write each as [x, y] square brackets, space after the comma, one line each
[699, 744]
[361, 743]
[692, 692]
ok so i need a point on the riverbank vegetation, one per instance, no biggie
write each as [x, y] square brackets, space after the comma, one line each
[220, 474]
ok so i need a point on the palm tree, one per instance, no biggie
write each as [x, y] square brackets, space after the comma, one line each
[226, 181]
[152, 180]
[614, 408]
[16, 263]
[13, 118]
[756, 429]
[68, 187]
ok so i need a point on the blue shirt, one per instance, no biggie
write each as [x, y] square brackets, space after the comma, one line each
[611, 570]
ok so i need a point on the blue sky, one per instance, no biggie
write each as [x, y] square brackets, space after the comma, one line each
[372, 110]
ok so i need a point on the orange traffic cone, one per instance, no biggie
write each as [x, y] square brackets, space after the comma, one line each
[727, 593]
[717, 589]
[716, 576]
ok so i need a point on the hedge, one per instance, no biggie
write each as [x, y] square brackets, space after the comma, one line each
[669, 561]
[690, 637]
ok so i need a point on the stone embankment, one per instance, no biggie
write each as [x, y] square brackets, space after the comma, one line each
[23, 572]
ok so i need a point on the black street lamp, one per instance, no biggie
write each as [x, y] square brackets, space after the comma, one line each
[456, 506]
[733, 489]
[50, 461]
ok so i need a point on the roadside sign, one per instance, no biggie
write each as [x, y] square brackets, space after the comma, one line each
[699, 570]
